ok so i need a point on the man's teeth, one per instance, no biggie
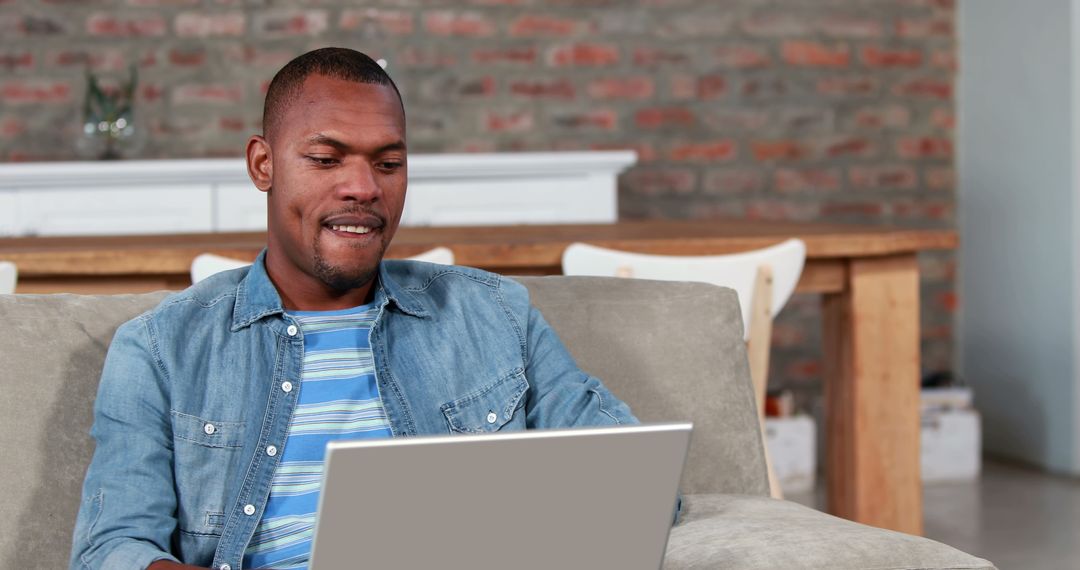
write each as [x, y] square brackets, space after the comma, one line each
[351, 229]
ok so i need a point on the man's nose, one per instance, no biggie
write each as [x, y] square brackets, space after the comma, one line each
[358, 182]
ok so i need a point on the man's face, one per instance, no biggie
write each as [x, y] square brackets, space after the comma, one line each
[338, 183]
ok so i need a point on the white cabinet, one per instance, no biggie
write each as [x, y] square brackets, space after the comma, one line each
[215, 195]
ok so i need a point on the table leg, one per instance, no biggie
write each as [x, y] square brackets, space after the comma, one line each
[872, 394]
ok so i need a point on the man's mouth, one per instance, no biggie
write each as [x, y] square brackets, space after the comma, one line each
[351, 229]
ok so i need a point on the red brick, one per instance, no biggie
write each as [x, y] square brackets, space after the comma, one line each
[848, 210]
[513, 55]
[764, 88]
[657, 117]
[943, 118]
[288, 23]
[601, 119]
[705, 88]
[16, 61]
[741, 57]
[515, 122]
[848, 86]
[806, 179]
[852, 27]
[461, 24]
[777, 24]
[412, 56]
[944, 59]
[924, 147]
[785, 335]
[940, 179]
[258, 56]
[660, 57]
[896, 176]
[379, 22]
[633, 87]
[99, 59]
[231, 124]
[584, 54]
[848, 146]
[782, 211]
[708, 151]
[885, 117]
[544, 89]
[660, 181]
[150, 93]
[203, 25]
[12, 127]
[933, 210]
[874, 56]
[35, 91]
[815, 54]
[924, 28]
[107, 25]
[187, 58]
[645, 151]
[732, 181]
[727, 119]
[207, 94]
[790, 120]
[162, 3]
[779, 150]
[948, 301]
[13, 24]
[538, 25]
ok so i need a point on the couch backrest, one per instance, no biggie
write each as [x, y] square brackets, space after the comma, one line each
[673, 351]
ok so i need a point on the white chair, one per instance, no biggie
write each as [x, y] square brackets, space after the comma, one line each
[206, 264]
[9, 274]
[764, 280]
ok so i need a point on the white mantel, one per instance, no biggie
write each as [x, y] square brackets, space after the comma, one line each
[215, 195]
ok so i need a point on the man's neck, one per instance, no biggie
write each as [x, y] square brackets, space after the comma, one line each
[302, 292]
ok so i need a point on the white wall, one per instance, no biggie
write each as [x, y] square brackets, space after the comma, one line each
[1017, 139]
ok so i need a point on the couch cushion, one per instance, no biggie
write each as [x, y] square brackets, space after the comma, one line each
[52, 356]
[674, 352]
[751, 532]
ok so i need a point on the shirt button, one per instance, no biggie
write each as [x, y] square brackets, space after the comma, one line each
[492, 417]
[224, 567]
[271, 450]
[291, 330]
[286, 386]
[209, 429]
[249, 510]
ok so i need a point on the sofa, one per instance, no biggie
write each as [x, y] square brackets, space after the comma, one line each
[673, 351]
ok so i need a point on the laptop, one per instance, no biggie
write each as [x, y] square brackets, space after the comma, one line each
[539, 499]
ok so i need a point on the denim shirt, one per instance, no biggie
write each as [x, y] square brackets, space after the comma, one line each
[196, 391]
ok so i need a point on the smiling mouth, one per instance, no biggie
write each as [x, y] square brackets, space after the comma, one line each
[351, 229]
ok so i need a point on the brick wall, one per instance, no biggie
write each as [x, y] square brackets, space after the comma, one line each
[838, 110]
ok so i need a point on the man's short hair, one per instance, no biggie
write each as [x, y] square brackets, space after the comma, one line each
[334, 62]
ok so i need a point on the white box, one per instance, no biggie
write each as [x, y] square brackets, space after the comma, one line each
[793, 450]
[951, 445]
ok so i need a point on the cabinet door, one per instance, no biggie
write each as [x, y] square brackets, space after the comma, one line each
[116, 210]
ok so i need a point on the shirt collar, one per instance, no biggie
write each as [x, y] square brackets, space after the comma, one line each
[256, 296]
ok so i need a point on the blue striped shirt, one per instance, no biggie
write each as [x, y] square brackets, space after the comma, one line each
[338, 399]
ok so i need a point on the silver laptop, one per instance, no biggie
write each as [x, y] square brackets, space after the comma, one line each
[581, 498]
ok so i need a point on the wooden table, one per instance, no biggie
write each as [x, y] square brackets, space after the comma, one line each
[868, 275]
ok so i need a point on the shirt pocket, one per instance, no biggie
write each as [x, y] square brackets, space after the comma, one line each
[492, 408]
[207, 457]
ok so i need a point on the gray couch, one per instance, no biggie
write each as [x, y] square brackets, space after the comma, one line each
[674, 351]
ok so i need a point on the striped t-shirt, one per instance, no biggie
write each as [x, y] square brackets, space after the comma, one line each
[338, 399]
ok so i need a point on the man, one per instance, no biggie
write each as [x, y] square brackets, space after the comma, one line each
[214, 408]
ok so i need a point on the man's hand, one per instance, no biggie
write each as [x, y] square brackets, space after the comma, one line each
[170, 565]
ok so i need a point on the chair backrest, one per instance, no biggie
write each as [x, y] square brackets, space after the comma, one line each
[673, 351]
[9, 274]
[206, 264]
[736, 271]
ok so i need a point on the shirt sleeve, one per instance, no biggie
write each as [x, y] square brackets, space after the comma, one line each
[127, 514]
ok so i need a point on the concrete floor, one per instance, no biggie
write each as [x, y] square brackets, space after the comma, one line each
[1016, 517]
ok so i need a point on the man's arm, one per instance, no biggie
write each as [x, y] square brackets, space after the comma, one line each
[563, 395]
[126, 519]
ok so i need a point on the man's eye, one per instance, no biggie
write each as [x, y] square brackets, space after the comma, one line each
[322, 160]
[390, 165]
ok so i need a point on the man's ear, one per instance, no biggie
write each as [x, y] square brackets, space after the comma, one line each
[260, 162]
